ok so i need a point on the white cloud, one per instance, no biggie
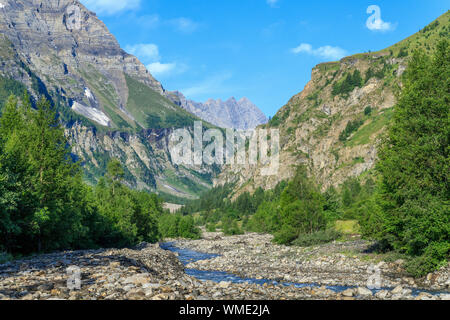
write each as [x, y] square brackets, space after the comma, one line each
[158, 69]
[272, 3]
[147, 52]
[184, 25]
[374, 22]
[326, 52]
[111, 7]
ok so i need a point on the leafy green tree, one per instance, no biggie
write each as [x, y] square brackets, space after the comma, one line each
[115, 173]
[266, 219]
[301, 208]
[230, 227]
[187, 228]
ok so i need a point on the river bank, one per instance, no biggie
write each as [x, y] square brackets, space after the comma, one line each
[148, 272]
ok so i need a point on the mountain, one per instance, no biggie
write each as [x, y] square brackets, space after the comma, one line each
[334, 125]
[111, 106]
[233, 114]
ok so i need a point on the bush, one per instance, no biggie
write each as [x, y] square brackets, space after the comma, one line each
[301, 209]
[368, 111]
[402, 53]
[266, 219]
[352, 126]
[5, 257]
[211, 227]
[231, 228]
[436, 255]
[346, 86]
[316, 238]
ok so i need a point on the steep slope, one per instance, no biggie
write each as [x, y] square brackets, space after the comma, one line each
[111, 105]
[240, 115]
[335, 123]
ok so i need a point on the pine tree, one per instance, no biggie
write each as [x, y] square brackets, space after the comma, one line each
[414, 163]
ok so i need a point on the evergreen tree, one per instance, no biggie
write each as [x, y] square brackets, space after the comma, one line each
[414, 164]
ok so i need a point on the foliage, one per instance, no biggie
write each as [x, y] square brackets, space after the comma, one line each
[352, 126]
[230, 227]
[178, 226]
[348, 84]
[9, 87]
[44, 203]
[301, 209]
[403, 53]
[368, 111]
[413, 217]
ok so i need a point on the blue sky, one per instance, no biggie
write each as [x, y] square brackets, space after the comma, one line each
[260, 49]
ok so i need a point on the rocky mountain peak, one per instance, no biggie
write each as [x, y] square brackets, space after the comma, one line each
[61, 39]
[242, 114]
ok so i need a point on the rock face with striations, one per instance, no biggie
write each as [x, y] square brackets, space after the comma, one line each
[61, 51]
[111, 105]
[240, 115]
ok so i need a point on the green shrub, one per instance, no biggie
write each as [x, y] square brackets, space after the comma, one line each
[348, 84]
[231, 228]
[368, 111]
[403, 53]
[436, 255]
[352, 126]
[211, 227]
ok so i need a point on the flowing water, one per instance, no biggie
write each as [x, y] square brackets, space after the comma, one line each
[187, 256]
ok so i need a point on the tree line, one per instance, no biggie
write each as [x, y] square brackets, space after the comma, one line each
[44, 203]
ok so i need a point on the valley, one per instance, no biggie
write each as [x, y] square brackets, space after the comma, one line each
[94, 204]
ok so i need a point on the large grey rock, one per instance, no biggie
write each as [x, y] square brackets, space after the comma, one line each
[364, 292]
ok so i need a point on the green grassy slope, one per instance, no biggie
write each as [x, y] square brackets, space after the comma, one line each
[152, 110]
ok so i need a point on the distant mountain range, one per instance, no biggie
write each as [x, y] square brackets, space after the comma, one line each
[234, 114]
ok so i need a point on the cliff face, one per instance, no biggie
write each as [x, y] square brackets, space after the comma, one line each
[240, 115]
[334, 125]
[106, 97]
[146, 159]
[61, 52]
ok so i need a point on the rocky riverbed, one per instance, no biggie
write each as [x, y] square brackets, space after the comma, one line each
[148, 272]
[349, 264]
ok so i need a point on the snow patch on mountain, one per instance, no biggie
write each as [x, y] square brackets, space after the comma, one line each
[92, 114]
